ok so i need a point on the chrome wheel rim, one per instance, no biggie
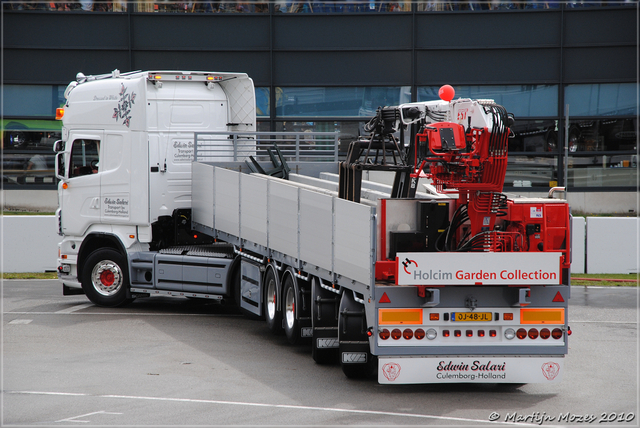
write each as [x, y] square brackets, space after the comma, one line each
[289, 302]
[271, 299]
[107, 278]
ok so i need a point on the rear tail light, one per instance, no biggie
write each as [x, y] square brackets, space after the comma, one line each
[521, 333]
[556, 333]
[469, 333]
[545, 333]
[493, 333]
[445, 333]
[533, 333]
[420, 334]
[396, 334]
[384, 334]
[480, 333]
[457, 333]
[407, 333]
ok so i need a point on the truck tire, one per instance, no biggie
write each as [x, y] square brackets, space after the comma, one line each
[105, 278]
[272, 313]
[290, 302]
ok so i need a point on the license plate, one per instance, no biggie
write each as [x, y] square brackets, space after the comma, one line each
[471, 316]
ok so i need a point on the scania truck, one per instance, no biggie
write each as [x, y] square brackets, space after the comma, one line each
[404, 259]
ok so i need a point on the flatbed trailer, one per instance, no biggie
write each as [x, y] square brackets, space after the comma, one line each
[463, 321]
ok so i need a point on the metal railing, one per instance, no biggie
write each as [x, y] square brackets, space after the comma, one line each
[238, 146]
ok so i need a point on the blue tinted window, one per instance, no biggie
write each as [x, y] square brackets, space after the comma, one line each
[32, 100]
[338, 102]
[521, 100]
[263, 102]
[602, 99]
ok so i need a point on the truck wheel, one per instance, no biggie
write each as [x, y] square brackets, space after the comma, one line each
[290, 300]
[105, 278]
[272, 314]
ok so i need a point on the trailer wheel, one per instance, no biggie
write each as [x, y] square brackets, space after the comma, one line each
[290, 300]
[105, 278]
[272, 314]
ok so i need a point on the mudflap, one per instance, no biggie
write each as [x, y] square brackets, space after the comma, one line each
[250, 287]
[324, 320]
[355, 358]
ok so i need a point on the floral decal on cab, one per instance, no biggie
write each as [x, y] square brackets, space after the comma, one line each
[123, 111]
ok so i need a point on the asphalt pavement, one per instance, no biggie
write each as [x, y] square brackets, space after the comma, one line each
[176, 362]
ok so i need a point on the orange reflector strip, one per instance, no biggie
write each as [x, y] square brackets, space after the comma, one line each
[399, 316]
[384, 298]
[542, 316]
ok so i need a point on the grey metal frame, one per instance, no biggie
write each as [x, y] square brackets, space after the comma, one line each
[294, 146]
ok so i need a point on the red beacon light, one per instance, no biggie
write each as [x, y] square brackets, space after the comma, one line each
[446, 92]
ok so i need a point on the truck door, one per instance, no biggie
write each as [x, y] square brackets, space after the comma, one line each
[123, 170]
[80, 200]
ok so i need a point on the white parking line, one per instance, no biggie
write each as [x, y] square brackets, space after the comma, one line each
[75, 418]
[272, 406]
[20, 321]
[74, 308]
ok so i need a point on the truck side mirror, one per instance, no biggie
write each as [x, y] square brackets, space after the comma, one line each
[60, 166]
[58, 146]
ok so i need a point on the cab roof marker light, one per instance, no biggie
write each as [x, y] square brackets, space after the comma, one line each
[59, 113]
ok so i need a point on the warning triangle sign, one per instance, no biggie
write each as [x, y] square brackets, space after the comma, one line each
[558, 298]
[384, 298]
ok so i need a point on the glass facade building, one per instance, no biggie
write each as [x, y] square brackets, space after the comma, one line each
[326, 66]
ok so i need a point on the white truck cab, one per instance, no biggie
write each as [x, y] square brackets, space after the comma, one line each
[124, 162]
